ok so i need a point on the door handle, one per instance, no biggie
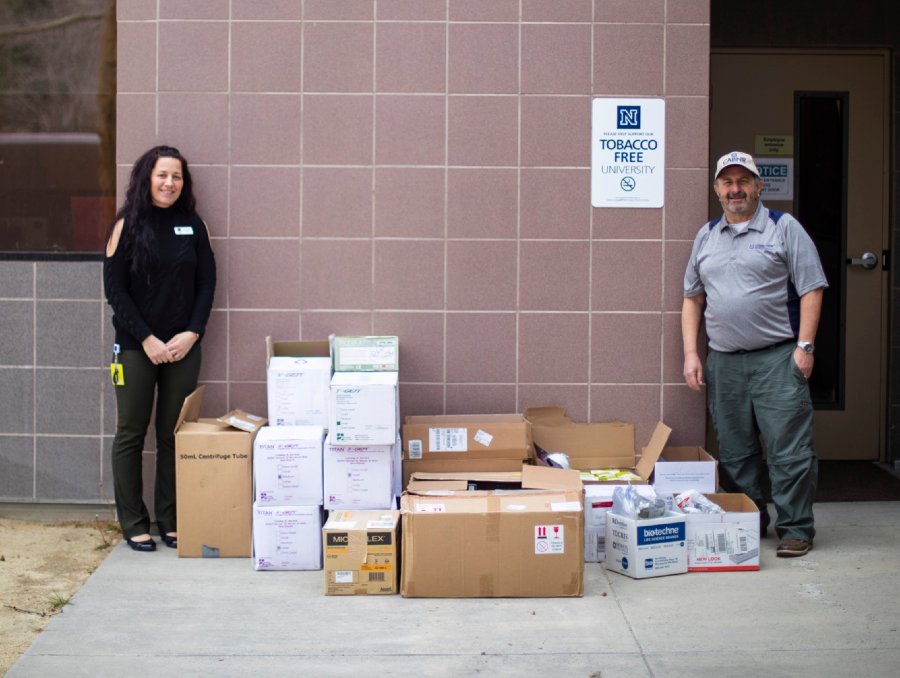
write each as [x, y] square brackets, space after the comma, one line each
[868, 261]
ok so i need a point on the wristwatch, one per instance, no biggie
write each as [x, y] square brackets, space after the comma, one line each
[807, 346]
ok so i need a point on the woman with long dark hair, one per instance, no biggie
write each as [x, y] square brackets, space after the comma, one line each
[160, 276]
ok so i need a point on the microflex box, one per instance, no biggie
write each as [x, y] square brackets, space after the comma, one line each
[646, 548]
[287, 465]
[366, 354]
[361, 476]
[364, 408]
[723, 542]
[287, 537]
[298, 375]
[361, 550]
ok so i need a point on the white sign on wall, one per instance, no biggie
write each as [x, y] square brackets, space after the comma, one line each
[777, 175]
[628, 152]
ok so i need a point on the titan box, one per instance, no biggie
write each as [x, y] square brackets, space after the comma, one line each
[524, 539]
[287, 465]
[598, 500]
[214, 488]
[364, 408]
[724, 542]
[361, 552]
[287, 537]
[366, 354]
[361, 476]
[298, 375]
[654, 547]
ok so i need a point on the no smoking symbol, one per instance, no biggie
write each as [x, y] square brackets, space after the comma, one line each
[627, 184]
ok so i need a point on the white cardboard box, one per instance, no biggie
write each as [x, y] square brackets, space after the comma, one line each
[287, 537]
[598, 499]
[297, 389]
[361, 477]
[364, 408]
[685, 468]
[724, 542]
[287, 465]
[646, 548]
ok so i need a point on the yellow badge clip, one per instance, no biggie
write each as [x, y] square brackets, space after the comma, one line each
[116, 369]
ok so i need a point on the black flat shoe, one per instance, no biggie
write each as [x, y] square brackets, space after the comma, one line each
[148, 545]
[171, 542]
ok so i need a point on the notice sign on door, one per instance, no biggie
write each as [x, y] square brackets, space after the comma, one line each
[777, 175]
[628, 152]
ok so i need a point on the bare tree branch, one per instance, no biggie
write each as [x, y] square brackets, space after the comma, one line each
[25, 29]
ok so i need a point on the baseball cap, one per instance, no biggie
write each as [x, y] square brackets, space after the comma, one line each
[744, 160]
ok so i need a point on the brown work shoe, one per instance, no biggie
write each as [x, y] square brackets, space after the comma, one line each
[791, 548]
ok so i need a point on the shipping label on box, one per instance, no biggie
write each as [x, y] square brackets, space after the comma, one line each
[287, 465]
[724, 542]
[361, 550]
[364, 408]
[287, 537]
[640, 549]
[366, 354]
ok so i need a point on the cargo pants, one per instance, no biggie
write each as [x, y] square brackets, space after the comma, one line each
[171, 383]
[763, 394]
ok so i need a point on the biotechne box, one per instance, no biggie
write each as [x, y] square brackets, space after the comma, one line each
[646, 548]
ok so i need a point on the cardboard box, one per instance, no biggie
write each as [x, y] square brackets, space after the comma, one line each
[527, 541]
[361, 477]
[298, 377]
[366, 354]
[685, 468]
[476, 466]
[726, 542]
[364, 408]
[362, 551]
[287, 465]
[469, 436]
[654, 547]
[598, 500]
[608, 445]
[287, 537]
[214, 490]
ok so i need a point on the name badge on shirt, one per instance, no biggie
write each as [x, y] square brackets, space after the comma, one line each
[184, 230]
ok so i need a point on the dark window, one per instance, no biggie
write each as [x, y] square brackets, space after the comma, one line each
[57, 125]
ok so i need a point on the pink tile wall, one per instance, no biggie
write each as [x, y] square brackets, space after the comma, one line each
[423, 169]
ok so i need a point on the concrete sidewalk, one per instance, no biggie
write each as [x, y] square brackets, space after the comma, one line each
[831, 613]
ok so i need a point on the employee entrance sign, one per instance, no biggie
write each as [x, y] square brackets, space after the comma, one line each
[628, 152]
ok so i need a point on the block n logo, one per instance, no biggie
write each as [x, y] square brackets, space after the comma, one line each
[629, 117]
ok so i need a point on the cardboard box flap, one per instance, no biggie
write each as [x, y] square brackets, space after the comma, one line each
[485, 476]
[650, 454]
[445, 419]
[551, 415]
[588, 446]
[190, 410]
[305, 349]
[425, 486]
[244, 421]
[547, 478]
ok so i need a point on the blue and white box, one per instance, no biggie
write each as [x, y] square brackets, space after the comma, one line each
[640, 549]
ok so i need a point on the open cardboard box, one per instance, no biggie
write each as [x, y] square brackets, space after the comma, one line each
[595, 446]
[516, 534]
[214, 482]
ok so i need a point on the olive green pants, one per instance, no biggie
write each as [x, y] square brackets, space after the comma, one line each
[171, 383]
[764, 394]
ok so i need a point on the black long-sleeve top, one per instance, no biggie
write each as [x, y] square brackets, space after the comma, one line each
[176, 294]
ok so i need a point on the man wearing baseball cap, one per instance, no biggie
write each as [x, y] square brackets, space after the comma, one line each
[755, 279]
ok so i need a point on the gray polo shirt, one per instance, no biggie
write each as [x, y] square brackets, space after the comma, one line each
[753, 278]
